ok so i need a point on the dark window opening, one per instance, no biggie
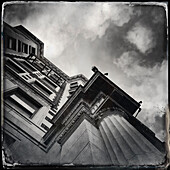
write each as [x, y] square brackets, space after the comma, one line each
[48, 119]
[42, 88]
[14, 66]
[28, 66]
[51, 113]
[24, 48]
[30, 49]
[11, 43]
[22, 102]
[71, 92]
[19, 46]
[50, 83]
[44, 126]
[56, 79]
[33, 50]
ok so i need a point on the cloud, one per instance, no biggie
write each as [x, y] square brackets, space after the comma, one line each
[142, 37]
[149, 84]
[64, 21]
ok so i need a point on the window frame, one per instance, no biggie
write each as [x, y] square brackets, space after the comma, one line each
[42, 88]
[26, 98]
[25, 48]
[18, 69]
[45, 127]
[33, 50]
[11, 43]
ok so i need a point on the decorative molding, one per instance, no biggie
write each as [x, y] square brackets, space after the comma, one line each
[69, 127]
[79, 76]
[113, 110]
[74, 110]
[98, 97]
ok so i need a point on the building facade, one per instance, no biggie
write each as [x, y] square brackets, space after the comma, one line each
[50, 118]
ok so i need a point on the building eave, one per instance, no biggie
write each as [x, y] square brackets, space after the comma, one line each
[70, 102]
[28, 33]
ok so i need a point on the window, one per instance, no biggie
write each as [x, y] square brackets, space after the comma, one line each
[56, 78]
[24, 48]
[28, 66]
[12, 65]
[49, 83]
[30, 49]
[19, 46]
[38, 64]
[22, 102]
[42, 88]
[11, 43]
[44, 126]
[33, 50]
[51, 113]
[48, 119]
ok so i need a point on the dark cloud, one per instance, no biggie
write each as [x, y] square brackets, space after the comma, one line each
[151, 17]
[160, 122]
[18, 11]
[155, 18]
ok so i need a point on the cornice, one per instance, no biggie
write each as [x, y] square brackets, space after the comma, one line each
[105, 112]
[74, 123]
[67, 104]
[79, 76]
[77, 107]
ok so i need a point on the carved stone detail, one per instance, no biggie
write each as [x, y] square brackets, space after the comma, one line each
[102, 113]
[84, 111]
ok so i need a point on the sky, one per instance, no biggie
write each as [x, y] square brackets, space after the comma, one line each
[128, 41]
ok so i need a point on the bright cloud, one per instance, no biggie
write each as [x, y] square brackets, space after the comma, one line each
[142, 37]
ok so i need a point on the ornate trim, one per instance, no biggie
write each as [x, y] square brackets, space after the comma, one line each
[79, 104]
[64, 135]
[103, 113]
[98, 97]
[79, 76]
